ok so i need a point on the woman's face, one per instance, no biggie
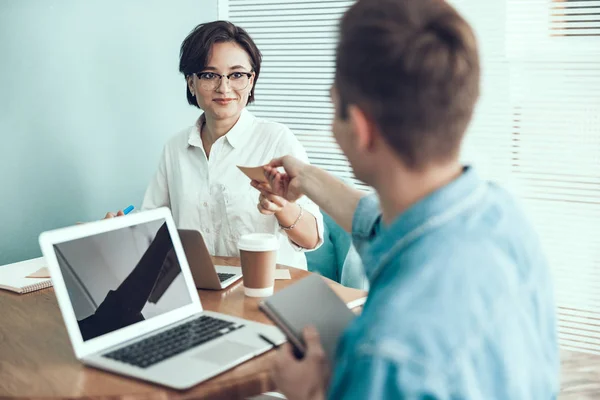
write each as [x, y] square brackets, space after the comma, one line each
[223, 98]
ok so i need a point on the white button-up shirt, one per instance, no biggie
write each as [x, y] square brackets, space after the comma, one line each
[213, 196]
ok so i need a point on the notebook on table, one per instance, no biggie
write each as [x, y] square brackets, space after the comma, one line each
[309, 302]
[25, 276]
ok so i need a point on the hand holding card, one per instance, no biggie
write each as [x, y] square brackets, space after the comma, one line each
[255, 173]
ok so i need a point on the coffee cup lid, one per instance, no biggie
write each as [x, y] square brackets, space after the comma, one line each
[258, 242]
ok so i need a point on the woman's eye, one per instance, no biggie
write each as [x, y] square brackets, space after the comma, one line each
[208, 76]
[237, 75]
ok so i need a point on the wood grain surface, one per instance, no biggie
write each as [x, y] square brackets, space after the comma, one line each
[36, 358]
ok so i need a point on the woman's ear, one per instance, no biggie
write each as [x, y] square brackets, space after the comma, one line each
[190, 83]
[363, 128]
[251, 84]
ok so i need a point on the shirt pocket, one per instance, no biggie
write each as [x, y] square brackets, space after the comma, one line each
[243, 216]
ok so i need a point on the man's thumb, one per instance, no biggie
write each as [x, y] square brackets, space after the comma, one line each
[276, 162]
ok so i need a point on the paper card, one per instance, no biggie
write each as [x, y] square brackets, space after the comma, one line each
[40, 273]
[255, 173]
[282, 274]
[356, 303]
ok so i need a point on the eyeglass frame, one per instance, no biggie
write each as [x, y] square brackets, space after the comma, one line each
[221, 76]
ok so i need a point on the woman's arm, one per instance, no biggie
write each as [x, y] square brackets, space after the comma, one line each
[300, 179]
[301, 220]
[157, 193]
[298, 221]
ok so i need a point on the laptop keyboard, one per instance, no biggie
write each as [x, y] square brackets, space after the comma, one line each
[223, 277]
[174, 341]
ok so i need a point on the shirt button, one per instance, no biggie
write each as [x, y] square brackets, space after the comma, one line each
[205, 204]
[207, 230]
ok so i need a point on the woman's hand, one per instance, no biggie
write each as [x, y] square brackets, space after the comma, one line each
[112, 215]
[301, 228]
[268, 203]
[286, 184]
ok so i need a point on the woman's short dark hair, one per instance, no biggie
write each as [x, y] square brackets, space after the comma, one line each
[195, 50]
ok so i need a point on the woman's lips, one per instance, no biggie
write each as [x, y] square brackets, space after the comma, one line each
[223, 102]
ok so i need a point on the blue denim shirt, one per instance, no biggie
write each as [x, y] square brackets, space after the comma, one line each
[461, 302]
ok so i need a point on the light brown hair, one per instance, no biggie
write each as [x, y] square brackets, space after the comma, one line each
[413, 67]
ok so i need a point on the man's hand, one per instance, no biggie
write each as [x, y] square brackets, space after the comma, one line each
[302, 379]
[288, 184]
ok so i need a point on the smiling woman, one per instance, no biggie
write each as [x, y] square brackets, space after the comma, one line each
[197, 177]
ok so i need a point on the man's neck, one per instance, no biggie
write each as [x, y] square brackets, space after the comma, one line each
[399, 189]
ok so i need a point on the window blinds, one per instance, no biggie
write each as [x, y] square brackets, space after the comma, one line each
[536, 129]
[555, 98]
[537, 132]
[297, 39]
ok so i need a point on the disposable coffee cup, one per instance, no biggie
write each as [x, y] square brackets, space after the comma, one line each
[258, 253]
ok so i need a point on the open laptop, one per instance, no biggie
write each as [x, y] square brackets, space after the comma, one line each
[206, 275]
[130, 306]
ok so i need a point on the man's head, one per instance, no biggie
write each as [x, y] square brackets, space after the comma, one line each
[407, 80]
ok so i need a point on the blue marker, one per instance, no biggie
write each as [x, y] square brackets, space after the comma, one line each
[128, 210]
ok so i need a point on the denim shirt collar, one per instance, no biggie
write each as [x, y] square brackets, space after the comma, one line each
[437, 208]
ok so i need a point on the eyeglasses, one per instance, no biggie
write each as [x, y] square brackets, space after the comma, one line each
[212, 80]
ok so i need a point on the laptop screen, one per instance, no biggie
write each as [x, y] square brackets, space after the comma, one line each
[122, 277]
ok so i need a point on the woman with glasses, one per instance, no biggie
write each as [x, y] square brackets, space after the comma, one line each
[197, 175]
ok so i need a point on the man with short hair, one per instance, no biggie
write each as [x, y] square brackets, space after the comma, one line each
[461, 300]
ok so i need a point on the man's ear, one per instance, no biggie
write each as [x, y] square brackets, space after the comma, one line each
[362, 126]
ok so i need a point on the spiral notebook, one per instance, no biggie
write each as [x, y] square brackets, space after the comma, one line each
[25, 276]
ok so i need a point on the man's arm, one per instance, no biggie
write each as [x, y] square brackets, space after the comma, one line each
[332, 195]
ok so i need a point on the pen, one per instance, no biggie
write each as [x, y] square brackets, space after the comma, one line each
[128, 210]
[266, 339]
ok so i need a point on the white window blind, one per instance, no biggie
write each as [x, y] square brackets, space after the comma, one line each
[297, 40]
[536, 129]
[541, 83]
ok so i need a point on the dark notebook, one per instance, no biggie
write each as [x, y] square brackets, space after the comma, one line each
[309, 302]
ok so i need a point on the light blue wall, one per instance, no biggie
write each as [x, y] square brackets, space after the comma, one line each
[89, 94]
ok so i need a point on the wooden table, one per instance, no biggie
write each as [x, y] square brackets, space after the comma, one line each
[36, 358]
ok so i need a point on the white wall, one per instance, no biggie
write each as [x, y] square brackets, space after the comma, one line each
[89, 93]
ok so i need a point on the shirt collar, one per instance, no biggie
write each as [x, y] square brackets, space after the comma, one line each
[429, 213]
[236, 136]
[194, 138]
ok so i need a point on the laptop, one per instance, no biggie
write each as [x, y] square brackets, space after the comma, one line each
[206, 275]
[130, 305]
